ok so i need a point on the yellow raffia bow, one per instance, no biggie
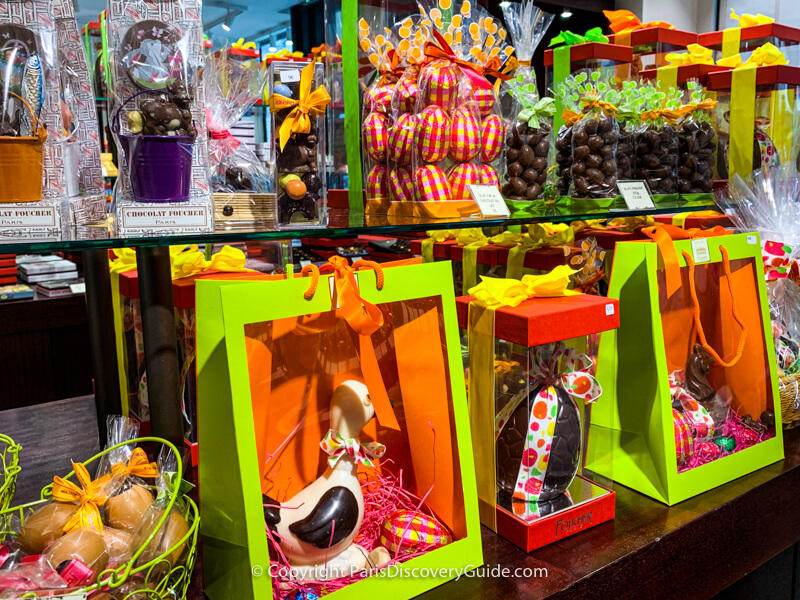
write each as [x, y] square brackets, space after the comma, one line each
[307, 103]
[89, 494]
[578, 226]
[492, 292]
[501, 367]
[507, 239]
[469, 236]
[137, 465]
[242, 45]
[590, 103]
[441, 235]
[763, 56]
[748, 20]
[630, 224]
[229, 259]
[551, 234]
[696, 55]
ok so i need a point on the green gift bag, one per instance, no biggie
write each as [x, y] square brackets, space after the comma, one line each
[691, 390]
[272, 357]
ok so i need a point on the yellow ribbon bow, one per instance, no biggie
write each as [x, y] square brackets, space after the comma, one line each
[696, 55]
[307, 103]
[242, 45]
[469, 236]
[763, 56]
[90, 494]
[578, 226]
[506, 239]
[630, 224]
[493, 292]
[748, 20]
[551, 234]
[229, 259]
[501, 367]
[441, 235]
[137, 465]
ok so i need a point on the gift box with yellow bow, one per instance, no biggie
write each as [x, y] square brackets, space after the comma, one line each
[758, 113]
[298, 101]
[750, 32]
[531, 370]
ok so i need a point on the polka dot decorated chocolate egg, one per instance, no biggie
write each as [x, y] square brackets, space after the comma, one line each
[378, 182]
[404, 96]
[485, 99]
[460, 176]
[401, 139]
[431, 183]
[440, 82]
[488, 175]
[465, 135]
[410, 532]
[401, 185]
[379, 98]
[433, 138]
[493, 134]
[375, 133]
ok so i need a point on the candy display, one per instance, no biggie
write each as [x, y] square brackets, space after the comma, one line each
[749, 32]
[298, 102]
[158, 118]
[697, 144]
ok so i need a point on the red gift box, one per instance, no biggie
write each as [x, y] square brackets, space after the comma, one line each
[541, 259]
[770, 75]
[607, 238]
[777, 31]
[687, 72]
[487, 255]
[440, 249]
[657, 35]
[594, 50]
[697, 222]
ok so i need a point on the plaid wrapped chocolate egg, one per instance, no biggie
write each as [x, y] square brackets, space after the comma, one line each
[379, 98]
[401, 139]
[484, 99]
[432, 134]
[489, 175]
[432, 185]
[460, 176]
[375, 133]
[401, 185]
[684, 443]
[404, 96]
[493, 135]
[465, 135]
[440, 82]
[378, 182]
[409, 532]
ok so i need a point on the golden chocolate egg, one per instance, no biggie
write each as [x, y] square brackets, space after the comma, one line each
[118, 543]
[84, 545]
[44, 526]
[171, 532]
[125, 510]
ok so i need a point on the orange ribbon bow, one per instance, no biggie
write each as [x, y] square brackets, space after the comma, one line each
[137, 465]
[442, 51]
[308, 103]
[89, 494]
[624, 21]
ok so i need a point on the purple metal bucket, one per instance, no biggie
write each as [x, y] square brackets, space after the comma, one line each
[160, 166]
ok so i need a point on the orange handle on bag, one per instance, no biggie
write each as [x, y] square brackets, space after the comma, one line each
[696, 313]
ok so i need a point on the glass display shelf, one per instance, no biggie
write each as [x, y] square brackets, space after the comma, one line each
[340, 223]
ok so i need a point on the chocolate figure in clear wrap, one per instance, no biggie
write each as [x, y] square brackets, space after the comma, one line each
[170, 115]
[297, 201]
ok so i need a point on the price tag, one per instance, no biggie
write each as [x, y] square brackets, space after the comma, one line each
[291, 76]
[700, 250]
[304, 263]
[636, 195]
[489, 200]
[751, 239]
[78, 288]
[609, 310]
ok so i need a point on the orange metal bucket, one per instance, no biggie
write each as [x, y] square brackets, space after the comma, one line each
[21, 165]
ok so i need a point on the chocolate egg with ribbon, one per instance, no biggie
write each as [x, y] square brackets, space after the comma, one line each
[404, 96]
[489, 175]
[401, 185]
[375, 133]
[465, 135]
[379, 98]
[460, 176]
[378, 182]
[410, 532]
[431, 183]
[401, 139]
[433, 138]
[440, 84]
[493, 135]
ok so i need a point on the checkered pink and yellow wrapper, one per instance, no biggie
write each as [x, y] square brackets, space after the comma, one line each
[404, 96]
[378, 182]
[379, 98]
[489, 175]
[485, 99]
[493, 135]
[460, 176]
[465, 135]
[401, 185]
[684, 444]
[433, 139]
[432, 185]
[375, 133]
[401, 139]
[410, 532]
[440, 82]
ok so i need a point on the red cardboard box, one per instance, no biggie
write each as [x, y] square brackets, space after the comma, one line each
[687, 72]
[753, 36]
[594, 51]
[692, 222]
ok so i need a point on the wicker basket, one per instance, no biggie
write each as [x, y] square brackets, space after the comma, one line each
[175, 583]
[790, 400]
[9, 459]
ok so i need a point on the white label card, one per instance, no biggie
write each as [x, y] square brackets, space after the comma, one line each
[166, 217]
[609, 309]
[489, 200]
[78, 288]
[77, 596]
[700, 250]
[751, 239]
[291, 76]
[33, 216]
[636, 195]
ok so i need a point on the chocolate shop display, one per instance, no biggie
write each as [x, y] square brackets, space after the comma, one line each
[297, 102]
[158, 118]
[656, 141]
[697, 140]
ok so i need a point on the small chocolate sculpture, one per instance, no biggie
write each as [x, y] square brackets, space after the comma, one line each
[297, 204]
[697, 368]
[164, 116]
[300, 154]
[236, 179]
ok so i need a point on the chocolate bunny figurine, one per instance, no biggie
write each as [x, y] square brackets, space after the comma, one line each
[697, 368]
